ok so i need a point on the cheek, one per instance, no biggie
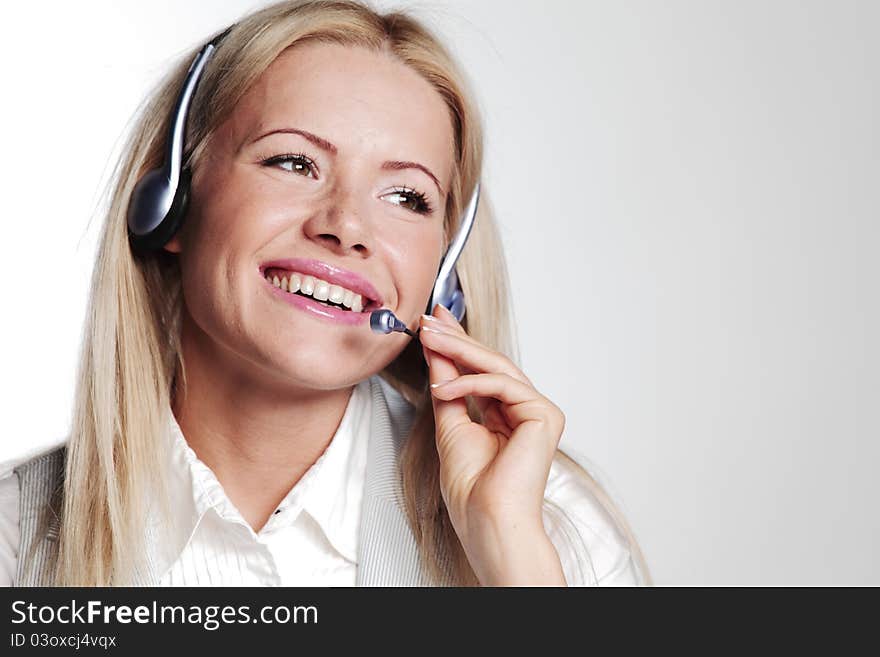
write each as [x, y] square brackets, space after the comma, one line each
[218, 240]
[231, 219]
[417, 260]
[207, 290]
[225, 209]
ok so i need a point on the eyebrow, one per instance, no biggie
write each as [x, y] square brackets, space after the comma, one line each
[388, 165]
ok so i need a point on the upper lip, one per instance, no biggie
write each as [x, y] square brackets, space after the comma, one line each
[330, 273]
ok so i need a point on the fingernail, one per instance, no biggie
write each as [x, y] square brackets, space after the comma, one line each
[430, 318]
[448, 314]
[445, 310]
[440, 383]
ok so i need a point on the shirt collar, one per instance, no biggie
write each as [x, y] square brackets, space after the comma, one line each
[330, 491]
[334, 496]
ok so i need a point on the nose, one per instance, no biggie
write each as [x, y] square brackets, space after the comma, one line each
[341, 226]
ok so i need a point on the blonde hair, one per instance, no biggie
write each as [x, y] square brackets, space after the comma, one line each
[131, 362]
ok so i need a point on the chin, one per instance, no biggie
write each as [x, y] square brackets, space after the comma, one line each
[312, 367]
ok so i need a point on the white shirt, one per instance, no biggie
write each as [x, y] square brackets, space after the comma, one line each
[311, 539]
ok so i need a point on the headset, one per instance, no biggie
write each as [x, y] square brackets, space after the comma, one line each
[159, 201]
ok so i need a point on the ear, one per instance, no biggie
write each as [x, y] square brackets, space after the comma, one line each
[173, 245]
[178, 211]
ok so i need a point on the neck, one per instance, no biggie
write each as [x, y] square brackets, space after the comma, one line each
[258, 438]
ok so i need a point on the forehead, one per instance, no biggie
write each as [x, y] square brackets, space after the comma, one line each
[358, 99]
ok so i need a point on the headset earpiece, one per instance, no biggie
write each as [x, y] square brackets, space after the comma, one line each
[143, 204]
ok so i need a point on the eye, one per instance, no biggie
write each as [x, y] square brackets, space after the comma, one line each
[412, 199]
[292, 162]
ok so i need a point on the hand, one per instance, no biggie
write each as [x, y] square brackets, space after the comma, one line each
[492, 475]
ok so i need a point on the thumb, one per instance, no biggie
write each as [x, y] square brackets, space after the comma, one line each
[447, 413]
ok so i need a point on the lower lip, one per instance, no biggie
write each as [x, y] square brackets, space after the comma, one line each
[313, 307]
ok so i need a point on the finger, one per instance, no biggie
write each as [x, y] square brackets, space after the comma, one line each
[441, 315]
[445, 315]
[431, 322]
[447, 414]
[469, 353]
[447, 319]
[522, 404]
[436, 321]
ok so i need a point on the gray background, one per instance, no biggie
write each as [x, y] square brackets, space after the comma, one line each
[689, 200]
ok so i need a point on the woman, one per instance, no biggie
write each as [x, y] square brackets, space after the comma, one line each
[228, 430]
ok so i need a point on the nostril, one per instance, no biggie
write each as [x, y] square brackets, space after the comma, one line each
[330, 238]
[336, 243]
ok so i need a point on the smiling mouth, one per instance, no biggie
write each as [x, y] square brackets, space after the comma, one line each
[325, 293]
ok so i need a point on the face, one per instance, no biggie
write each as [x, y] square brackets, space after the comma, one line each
[333, 169]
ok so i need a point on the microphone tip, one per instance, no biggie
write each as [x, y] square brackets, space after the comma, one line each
[382, 320]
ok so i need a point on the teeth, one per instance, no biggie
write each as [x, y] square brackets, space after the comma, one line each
[336, 293]
[322, 290]
[318, 289]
